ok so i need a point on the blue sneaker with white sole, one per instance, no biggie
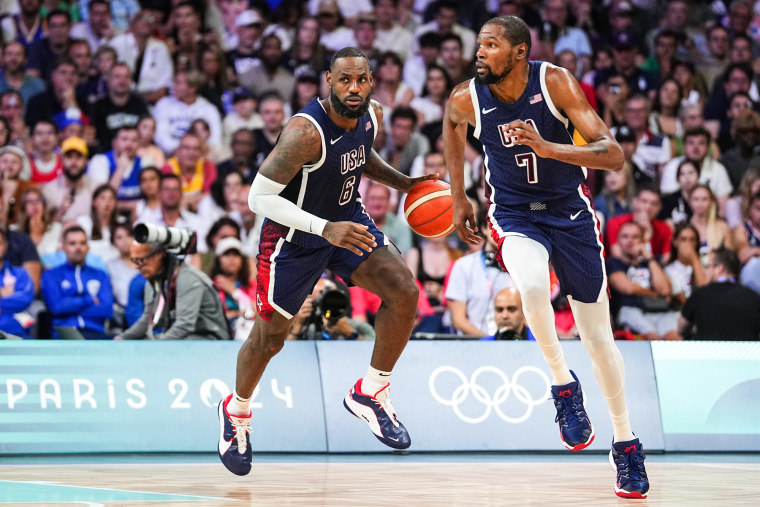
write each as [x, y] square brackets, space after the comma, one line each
[627, 458]
[234, 448]
[378, 412]
[575, 428]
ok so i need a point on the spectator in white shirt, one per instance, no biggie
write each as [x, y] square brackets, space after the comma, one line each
[98, 30]
[175, 113]
[154, 77]
[712, 173]
[427, 54]
[390, 35]
[334, 35]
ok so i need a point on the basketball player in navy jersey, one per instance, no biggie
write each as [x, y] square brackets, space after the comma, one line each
[307, 190]
[524, 114]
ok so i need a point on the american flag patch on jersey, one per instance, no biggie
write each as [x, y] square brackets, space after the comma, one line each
[369, 125]
[535, 99]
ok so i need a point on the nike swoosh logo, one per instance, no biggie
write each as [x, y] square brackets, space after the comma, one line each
[333, 141]
[575, 215]
[486, 111]
[224, 445]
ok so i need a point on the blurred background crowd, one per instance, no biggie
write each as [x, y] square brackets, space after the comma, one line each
[119, 112]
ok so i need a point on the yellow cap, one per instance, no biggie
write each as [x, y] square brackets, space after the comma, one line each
[75, 144]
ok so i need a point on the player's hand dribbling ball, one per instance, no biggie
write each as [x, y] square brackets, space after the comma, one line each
[429, 209]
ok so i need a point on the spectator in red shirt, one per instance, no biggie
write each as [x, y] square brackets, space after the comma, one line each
[646, 205]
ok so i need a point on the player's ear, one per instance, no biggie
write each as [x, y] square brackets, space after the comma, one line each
[522, 50]
[328, 78]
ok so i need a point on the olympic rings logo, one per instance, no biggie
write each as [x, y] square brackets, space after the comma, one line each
[493, 402]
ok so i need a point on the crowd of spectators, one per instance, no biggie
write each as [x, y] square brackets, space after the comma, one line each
[119, 112]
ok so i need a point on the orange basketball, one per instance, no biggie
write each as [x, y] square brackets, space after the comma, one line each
[429, 209]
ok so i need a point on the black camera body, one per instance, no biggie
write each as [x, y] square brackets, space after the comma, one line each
[173, 239]
[489, 260]
[332, 304]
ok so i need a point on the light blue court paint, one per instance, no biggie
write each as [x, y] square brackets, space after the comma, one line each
[37, 492]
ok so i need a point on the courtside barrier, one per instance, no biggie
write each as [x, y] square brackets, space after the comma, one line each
[76, 396]
[482, 396]
[67, 396]
[709, 395]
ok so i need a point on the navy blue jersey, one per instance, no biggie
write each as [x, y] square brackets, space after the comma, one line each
[329, 188]
[516, 176]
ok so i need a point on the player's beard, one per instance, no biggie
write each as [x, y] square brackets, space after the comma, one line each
[347, 112]
[490, 78]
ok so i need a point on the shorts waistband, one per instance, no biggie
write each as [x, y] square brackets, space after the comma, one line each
[545, 205]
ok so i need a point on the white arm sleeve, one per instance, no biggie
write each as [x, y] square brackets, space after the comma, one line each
[264, 199]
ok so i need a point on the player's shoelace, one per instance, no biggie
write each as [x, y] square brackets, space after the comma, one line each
[241, 427]
[388, 407]
[630, 466]
[570, 411]
[386, 404]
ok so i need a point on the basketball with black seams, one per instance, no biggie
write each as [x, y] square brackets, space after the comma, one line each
[429, 209]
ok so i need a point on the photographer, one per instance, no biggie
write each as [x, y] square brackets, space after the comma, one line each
[179, 299]
[324, 316]
[509, 317]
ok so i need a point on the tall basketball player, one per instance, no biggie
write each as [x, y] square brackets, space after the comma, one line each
[307, 189]
[524, 114]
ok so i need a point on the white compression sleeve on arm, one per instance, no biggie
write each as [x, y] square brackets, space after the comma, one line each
[264, 199]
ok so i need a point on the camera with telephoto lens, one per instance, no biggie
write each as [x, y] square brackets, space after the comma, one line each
[172, 239]
[333, 305]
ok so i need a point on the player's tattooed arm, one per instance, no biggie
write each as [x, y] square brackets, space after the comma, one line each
[601, 150]
[299, 144]
[379, 170]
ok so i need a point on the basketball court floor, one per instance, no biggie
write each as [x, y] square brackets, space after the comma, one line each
[415, 479]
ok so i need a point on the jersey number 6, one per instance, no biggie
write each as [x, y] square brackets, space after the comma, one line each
[348, 190]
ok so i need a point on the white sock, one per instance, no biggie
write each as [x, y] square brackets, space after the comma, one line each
[374, 381]
[239, 406]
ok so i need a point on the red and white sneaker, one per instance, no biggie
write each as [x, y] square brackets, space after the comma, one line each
[234, 448]
[378, 412]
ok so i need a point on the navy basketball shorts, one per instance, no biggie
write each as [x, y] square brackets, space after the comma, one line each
[569, 230]
[287, 273]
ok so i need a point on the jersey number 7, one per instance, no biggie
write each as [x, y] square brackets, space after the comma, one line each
[527, 160]
[530, 162]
